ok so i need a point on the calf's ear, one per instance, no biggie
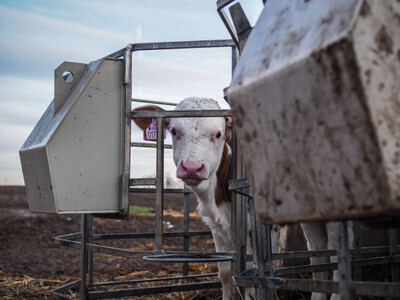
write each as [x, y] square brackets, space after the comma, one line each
[143, 123]
[228, 129]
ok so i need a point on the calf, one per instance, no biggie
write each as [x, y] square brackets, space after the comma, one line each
[321, 236]
[202, 155]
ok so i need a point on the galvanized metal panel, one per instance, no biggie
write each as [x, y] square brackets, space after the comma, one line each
[314, 99]
[71, 160]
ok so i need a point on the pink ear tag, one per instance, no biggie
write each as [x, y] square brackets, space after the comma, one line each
[151, 132]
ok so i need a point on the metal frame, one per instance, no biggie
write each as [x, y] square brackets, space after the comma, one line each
[85, 240]
[349, 265]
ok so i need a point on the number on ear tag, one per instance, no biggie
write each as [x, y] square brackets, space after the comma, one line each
[151, 132]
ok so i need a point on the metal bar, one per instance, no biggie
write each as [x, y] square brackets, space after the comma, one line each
[357, 248]
[142, 181]
[175, 45]
[234, 225]
[239, 183]
[186, 228]
[344, 268]
[376, 261]
[57, 293]
[153, 102]
[319, 253]
[84, 255]
[258, 239]
[154, 290]
[303, 254]
[394, 250]
[289, 284]
[105, 249]
[156, 279]
[377, 289]
[221, 4]
[149, 190]
[159, 185]
[187, 257]
[241, 23]
[180, 113]
[240, 219]
[110, 236]
[149, 145]
[305, 269]
[76, 235]
[334, 266]
[196, 276]
[90, 253]
[125, 160]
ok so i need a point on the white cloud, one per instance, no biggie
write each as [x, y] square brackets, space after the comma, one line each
[47, 29]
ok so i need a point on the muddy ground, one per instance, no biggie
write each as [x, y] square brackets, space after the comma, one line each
[31, 264]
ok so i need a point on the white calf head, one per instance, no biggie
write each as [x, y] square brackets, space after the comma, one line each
[198, 143]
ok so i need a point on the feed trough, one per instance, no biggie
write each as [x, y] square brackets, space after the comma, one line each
[71, 160]
[316, 103]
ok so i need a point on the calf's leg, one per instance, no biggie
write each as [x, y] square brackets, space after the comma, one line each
[317, 239]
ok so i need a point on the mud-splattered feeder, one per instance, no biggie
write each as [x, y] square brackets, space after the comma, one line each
[71, 160]
[316, 104]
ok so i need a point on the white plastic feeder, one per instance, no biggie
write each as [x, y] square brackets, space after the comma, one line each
[71, 160]
[316, 104]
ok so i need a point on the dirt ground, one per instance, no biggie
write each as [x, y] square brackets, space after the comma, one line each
[31, 264]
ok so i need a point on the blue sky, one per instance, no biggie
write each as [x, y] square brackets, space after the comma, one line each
[37, 36]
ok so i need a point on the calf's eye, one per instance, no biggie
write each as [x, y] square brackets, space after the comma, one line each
[218, 135]
[173, 131]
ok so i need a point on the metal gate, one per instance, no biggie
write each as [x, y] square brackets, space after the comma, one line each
[86, 239]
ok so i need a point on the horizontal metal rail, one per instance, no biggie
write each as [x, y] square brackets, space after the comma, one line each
[174, 46]
[248, 279]
[149, 145]
[376, 289]
[128, 253]
[153, 290]
[144, 235]
[320, 253]
[188, 277]
[59, 292]
[153, 190]
[142, 181]
[188, 258]
[181, 113]
[153, 102]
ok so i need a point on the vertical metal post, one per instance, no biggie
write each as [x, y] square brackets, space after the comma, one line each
[357, 248]
[235, 57]
[186, 219]
[84, 254]
[90, 253]
[393, 251]
[344, 269]
[239, 212]
[125, 161]
[159, 185]
[260, 245]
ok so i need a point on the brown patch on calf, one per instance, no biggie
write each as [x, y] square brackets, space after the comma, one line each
[143, 123]
[224, 174]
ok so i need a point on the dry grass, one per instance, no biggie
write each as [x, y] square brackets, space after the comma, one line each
[17, 286]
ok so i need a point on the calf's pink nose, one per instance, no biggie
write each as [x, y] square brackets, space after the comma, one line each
[191, 169]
